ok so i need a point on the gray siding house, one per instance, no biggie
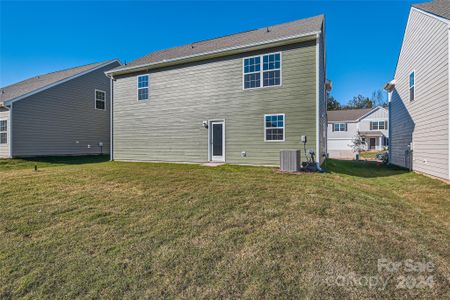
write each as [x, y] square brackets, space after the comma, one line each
[238, 99]
[60, 113]
[371, 124]
[419, 93]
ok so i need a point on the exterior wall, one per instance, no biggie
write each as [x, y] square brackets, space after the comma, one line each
[168, 127]
[63, 120]
[322, 101]
[423, 122]
[378, 115]
[4, 148]
[339, 141]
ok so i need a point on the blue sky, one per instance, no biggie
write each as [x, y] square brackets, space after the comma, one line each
[363, 37]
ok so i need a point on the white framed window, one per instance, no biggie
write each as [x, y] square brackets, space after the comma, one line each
[261, 71]
[143, 83]
[3, 132]
[378, 125]
[100, 99]
[412, 83]
[339, 126]
[274, 127]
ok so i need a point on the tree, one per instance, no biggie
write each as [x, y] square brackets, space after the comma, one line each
[379, 99]
[333, 104]
[360, 101]
[358, 144]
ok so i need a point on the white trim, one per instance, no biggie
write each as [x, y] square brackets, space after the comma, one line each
[370, 112]
[284, 128]
[318, 100]
[9, 102]
[6, 131]
[244, 48]
[10, 136]
[448, 89]
[431, 15]
[138, 88]
[210, 141]
[95, 99]
[339, 123]
[261, 71]
[111, 120]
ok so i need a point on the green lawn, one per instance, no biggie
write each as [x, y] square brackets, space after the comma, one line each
[142, 230]
[371, 154]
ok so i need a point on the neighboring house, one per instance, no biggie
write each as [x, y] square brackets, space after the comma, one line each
[371, 124]
[60, 113]
[419, 93]
[238, 99]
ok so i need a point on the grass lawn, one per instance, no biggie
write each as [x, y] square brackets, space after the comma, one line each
[371, 154]
[142, 230]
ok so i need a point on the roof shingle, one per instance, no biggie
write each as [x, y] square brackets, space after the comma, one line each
[266, 34]
[439, 8]
[41, 81]
[347, 114]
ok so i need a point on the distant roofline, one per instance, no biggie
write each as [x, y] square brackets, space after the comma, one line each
[10, 101]
[220, 52]
[358, 119]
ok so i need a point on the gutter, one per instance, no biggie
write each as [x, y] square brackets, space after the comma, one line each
[217, 53]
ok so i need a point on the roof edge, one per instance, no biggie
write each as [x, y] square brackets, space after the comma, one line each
[431, 14]
[218, 53]
[10, 101]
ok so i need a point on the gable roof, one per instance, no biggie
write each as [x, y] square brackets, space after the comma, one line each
[350, 115]
[41, 82]
[439, 8]
[247, 39]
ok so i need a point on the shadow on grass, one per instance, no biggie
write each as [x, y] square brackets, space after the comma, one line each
[50, 161]
[362, 168]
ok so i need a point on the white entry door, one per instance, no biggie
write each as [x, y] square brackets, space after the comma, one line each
[217, 141]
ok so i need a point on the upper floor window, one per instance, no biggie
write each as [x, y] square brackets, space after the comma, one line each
[340, 127]
[100, 99]
[269, 74]
[274, 126]
[142, 87]
[3, 132]
[378, 125]
[412, 81]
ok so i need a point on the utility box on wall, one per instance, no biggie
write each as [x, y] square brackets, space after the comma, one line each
[290, 160]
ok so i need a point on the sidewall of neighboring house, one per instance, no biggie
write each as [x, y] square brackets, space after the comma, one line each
[168, 127]
[63, 120]
[4, 148]
[423, 122]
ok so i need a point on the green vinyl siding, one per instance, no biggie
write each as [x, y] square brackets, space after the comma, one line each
[168, 127]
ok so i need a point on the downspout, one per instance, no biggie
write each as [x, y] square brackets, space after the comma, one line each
[111, 124]
[317, 101]
[10, 137]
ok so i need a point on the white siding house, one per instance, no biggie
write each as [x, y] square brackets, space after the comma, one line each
[419, 93]
[344, 125]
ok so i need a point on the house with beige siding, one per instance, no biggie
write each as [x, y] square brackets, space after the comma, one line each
[238, 99]
[370, 124]
[60, 113]
[419, 98]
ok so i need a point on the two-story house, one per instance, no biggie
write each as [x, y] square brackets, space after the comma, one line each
[60, 113]
[370, 124]
[419, 94]
[238, 99]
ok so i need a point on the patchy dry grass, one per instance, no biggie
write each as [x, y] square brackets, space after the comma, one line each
[372, 154]
[136, 230]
